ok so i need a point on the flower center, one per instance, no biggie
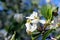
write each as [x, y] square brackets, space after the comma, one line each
[35, 17]
[28, 21]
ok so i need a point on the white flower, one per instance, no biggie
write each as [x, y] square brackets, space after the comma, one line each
[32, 15]
[18, 17]
[29, 27]
[34, 19]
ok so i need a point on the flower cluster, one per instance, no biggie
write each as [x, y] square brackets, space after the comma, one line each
[43, 26]
[32, 21]
[31, 24]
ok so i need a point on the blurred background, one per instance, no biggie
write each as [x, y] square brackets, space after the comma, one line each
[9, 23]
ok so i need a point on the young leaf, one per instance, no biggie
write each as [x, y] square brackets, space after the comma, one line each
[13, 37]
[46, 11]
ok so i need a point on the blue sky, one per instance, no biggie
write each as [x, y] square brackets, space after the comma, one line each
[56, 2]
[43, 2]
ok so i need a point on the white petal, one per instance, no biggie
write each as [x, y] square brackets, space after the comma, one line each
[30, 17]
[52, 21]
[42, 21]
[33, 28]
[28, 27]
[35, 13]
[35, 21]
[53, 38]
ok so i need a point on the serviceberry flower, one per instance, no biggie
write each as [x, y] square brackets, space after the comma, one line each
[30, 28]
[31, 24]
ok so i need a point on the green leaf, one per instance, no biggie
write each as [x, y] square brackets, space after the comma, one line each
[58, 37]
[13, 36]
[22, 26]
[35, 35]
[47, 34]
[46, 11]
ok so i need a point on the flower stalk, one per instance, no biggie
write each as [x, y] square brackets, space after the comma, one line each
[32, 37]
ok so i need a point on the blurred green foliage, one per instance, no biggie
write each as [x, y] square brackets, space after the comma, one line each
[46, 11]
